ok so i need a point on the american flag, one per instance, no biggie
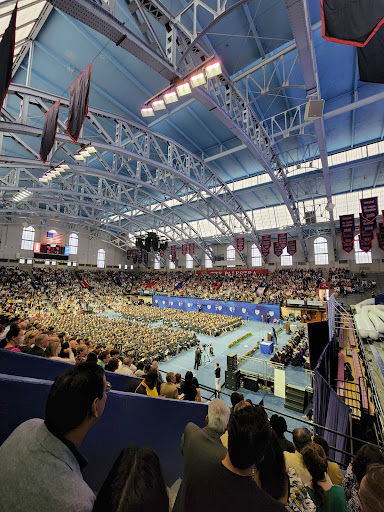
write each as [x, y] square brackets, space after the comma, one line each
[54, 238]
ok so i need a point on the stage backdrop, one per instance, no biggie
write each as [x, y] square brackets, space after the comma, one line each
[257, 312]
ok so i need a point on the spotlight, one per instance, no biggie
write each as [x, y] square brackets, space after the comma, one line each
[213, 70]
[158, 105]
[183, 89]
[64, 166]
[170, 97]
[198, 79]
[147, 111]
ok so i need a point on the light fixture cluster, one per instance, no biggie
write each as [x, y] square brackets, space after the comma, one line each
[85, 152]
[22, 194]
[53, 173]
[182, 88]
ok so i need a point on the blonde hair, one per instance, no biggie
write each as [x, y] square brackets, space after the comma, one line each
[50, 351]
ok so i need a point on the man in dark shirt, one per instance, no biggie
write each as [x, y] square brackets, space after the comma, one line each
[217, 379]
[197, 358]
[279, 425]
[41, 343]
[229, 484]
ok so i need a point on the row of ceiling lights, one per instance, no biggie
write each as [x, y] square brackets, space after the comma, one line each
[182, 89]
[56, 171]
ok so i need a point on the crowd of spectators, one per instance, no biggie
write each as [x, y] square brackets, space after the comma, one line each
[344, 282]
[287, 284]
[295, 351]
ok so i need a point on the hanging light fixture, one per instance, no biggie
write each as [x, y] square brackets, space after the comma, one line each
[198, 79]
[84, 153]
[79, 157]
[147, 111]
[91, 149]
[183, 89]
[158, 105]
[213, 69]
[170, 97]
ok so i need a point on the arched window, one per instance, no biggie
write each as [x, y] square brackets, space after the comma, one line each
[286, 259]
[361, 257]
[256, 256]
[101, 258]
[156, 261]
[188, 261]
[73, 243]
[231, 255]
[320, 248]
[207, 261]
[27, 238]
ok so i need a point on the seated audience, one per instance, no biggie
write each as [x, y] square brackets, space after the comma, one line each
[41, 343]
[149, 385]
[168, 388]
[42, 458]
[124, 369]
[334, 471]
[279, 425]
[14, 337]
[134, 484]
[301, 438]
[140, 369]
[326, 496]
[195, 383]
[104, 358]
[113, 365]
[53, 350]
[187, 388]
[371, 492]
[29, 340]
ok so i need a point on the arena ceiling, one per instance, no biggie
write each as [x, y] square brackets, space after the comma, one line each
[235, 156]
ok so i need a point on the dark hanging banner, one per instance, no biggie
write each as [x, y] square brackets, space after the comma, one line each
[367, 236]
[380, 241]
[365, 246]
[354, 23]
[134, 256]
[191, 249]
[369, 208]
[266, 241]
[139, 256]
[282, 239]
[49, 130]
[347, 242]
[7, 47]
[370, 59]
[381, 228]
[347, 224]
[366, 225]
[129, 254]
[145, 257]
[78, 103]
[173, 253]
[291, 247]
[277, 249]
[240, 244]
[184, 249]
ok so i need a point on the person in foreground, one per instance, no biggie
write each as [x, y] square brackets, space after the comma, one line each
[41, 462]
[134, 484]
[371, 492]
[326, 496]
[229, 484]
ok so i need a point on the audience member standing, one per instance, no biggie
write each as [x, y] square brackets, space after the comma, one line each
[197, 358]
[301, 438]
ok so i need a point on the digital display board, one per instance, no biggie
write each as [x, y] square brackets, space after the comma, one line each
[51, 251]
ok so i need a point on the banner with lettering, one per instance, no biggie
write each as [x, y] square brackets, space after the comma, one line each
[367, 236]
[129, 254]
[139, 256]
[240, 244]
[365, 246]
[347, 224]
[282, 240]
[184, 249]
[381, 228]
[134, 256]
[173, 253]
[266, 243]
[369, 208]
[191, 249]
[347, 242]
[291, 247]
[367, 225]
[380, 240]
[277, 249]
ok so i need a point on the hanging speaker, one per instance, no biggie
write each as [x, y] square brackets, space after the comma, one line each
[314, 110]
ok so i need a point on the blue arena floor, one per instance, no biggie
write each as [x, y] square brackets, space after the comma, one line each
[186, 359]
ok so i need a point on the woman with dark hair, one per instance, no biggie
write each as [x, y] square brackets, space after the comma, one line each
[279, 425]
[195, 382]
[113, 365]
[134, 484]
[356, 471]
[187, 388]
[14, 338]
[334, 471]
[149, 385]
[371, 492]
[327, 497]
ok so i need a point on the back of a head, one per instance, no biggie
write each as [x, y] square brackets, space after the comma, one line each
[188, 378]
[371, 492]
[272, 473]
[248, 435]
[218, 415]
[91, 358]
[71, 397]
[323, 443]
[301, 438]
[52, 348]
[236, 398]
[169, 377]
[103, 355]
[113, 365]
[139, 366]
[134, 484]
[151, 378]
[178, 378]
[364, 457]
[278, 424]
[316, 462]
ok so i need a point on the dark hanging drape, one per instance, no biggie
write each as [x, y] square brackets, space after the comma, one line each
[371, 61]
[49, 131]
[7, 46]
[78, 103]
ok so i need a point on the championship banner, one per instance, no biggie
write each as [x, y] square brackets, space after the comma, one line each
[347, 243]
[191, 249]
[184, 249]
[369, 208]
[266, 241]
[84, 284]
[173, 253]
[134, 256]
[161, 254]
[264, 252]
[365, 246]
[282, 240]
[291, 247]
[78, 103]
[381, 228]
[49, 131]
[277, 249]
[380, 241]
[145, 257]
[129, 254]
[7, 47]
[240, 244]
[366, 225]
[347, 224]
[367, 236]
[139, 256]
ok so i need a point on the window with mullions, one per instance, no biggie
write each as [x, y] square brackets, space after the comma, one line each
[361, 257]
[207, 261]
[320, 248]
[73, 243]
[101, 258]
[188, 261]
[27, 238]
[256, 256]
[231, 255]
[286, 259]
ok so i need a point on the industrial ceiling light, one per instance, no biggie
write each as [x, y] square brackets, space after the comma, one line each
[79, 157]
[84, 152]
[198, 79]
[147, 111]
[170, 97]
[22, 194]
[183, 89]
[64, 166]
[158, 105]
[43, 179]
[91, 149]
[213, 69]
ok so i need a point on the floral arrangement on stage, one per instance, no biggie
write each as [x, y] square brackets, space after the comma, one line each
[248, 354]
[279, 330]
[239, 339]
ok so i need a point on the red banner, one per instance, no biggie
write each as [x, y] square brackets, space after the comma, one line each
[191, 249]
[129, 254]
[282, 240]
[347, 224]
[84, 284]
[291, 247]
[266, 241]
[252, 272]
[277, 249]
[369, 208]
[347, 242]
[173, 253]
[184, 249]
[240, 244]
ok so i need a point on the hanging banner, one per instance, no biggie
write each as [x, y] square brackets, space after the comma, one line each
[369, 208]
[134, 256]
[191, 249]
[129, 254]
[264, 252]
[7, 47]
[161, 254]
[381, 228]
[366, 225]
[78, 103]
[139, 256]
[282, 240]
[370, 59]
[173, 253]
[184, 249]
[266, 241]
[277, 249]
[347, 242]
[145, 257]
[240, 244]
[291, 247]
[367, 236]
[49, 131]
[365, 246]
[380, 241]
[347, 224]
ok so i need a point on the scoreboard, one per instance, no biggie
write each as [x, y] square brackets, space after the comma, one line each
[58, 252]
